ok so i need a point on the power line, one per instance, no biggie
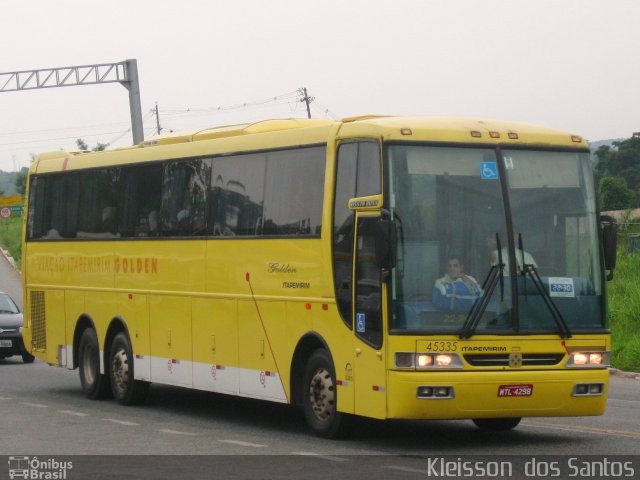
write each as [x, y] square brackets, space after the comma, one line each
[236, 106]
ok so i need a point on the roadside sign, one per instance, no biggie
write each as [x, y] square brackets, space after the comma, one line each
[11, 200]
[5, 213]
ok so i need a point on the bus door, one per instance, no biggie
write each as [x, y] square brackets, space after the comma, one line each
[369, 353]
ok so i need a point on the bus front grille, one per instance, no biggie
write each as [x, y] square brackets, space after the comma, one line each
[38, 321]
[502, 360]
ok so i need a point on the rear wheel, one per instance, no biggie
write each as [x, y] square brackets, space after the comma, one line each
[126, 390]
[496, 424]
[320, 397]
[94, 385]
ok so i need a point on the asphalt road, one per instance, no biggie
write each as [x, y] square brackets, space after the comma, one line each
[43, 413]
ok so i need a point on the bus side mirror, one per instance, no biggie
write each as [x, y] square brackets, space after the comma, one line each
[609, 243]
[386, 241]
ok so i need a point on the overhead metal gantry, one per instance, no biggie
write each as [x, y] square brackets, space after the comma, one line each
[125, 73]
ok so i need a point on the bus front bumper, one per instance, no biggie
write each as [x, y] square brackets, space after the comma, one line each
[496, 394]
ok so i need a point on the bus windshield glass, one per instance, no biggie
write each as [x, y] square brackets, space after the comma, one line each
[455, 253]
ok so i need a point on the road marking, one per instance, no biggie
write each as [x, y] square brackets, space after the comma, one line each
[178, 432]
[243, 444]
[6, 398]
[71, 412]
[573, 428]
[121, 422]
[406, 469]
[331, 458]
[36, 405]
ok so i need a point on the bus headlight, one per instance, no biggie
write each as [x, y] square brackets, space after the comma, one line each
[438, 360]
[588, 360]
[405, 359]
[427, 361]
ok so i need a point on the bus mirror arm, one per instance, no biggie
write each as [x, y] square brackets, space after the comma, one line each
[609, 243]
[386, 243]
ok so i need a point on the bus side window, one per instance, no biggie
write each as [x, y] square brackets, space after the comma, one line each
[142, 194]
[184, 188]
[237, 195]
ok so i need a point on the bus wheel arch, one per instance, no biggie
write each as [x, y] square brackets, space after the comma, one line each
[95, 384]
[307, 345]
[82, 324]
[318, 389]
[120, 361]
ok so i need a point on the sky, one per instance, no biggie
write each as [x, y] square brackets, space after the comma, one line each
[567, 64]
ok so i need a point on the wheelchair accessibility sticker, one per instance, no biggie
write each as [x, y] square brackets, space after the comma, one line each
[360, 323]
[488, 170]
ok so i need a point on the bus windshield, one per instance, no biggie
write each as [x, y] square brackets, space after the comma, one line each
[456, 253]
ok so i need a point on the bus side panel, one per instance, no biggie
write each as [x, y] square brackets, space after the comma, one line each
[215, 345]
[170, 340]
[339, 339]
[55, 329]
[75, 308]
[102, 307]
[133, 310]
[259, 376]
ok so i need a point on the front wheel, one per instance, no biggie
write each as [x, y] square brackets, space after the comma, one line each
[126, 390]
[497, 424]
[94, 385]
[28, 358]
[320, 397]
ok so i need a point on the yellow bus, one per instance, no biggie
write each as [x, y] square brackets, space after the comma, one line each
[386, 267]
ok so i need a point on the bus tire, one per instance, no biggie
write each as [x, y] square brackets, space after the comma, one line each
[94, 384]
[126, 390]
[320, 397]
[497, 424]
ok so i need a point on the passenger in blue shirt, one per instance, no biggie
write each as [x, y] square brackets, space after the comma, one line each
[456, 290]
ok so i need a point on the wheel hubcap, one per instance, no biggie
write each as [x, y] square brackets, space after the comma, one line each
[322, 394]
[120, 370]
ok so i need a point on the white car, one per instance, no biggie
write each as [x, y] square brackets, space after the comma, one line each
[11, 330]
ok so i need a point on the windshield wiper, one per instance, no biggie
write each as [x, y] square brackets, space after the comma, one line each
[494, 277]
[531, 270]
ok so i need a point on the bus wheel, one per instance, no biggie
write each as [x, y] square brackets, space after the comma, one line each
[28, 358]
[94, 385]
[496, 424]
[320, 396]
[126, 390]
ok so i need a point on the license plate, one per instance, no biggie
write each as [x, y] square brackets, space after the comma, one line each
[6, 343]
[515, 390]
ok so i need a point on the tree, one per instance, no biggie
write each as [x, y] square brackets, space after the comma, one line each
[21, 180]
[623, 160]
[614, 194]
[82, 145]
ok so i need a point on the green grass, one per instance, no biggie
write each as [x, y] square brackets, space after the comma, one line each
[10, 235]
[624, 308]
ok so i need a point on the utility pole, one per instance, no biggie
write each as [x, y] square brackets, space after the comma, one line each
[157, 119]
[306, 99]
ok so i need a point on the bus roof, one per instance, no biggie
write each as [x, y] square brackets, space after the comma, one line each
[294, 131]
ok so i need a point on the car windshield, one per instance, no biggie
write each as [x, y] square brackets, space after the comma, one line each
[455, 253]
[7, 305]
